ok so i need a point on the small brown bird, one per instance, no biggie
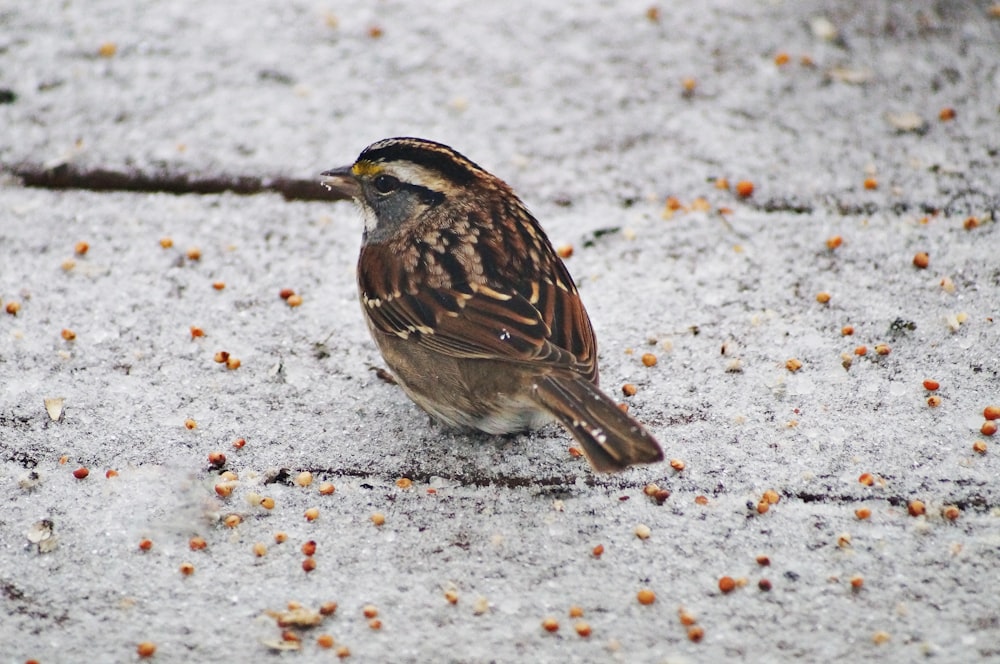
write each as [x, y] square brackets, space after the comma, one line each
[473, 311]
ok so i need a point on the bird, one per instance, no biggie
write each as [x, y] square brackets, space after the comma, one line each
[474, 313]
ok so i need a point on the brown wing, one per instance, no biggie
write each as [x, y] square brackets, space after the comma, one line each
[519, 303]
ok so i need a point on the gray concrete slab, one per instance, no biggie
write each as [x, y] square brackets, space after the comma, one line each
[583, 109]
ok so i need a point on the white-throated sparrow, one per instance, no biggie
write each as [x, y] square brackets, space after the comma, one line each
[473, 311]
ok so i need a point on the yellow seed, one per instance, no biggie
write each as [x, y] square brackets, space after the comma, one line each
[260, 549]
[312, 514]
[378, 519]
[304, 478]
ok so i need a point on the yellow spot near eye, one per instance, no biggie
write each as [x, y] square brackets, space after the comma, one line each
[366, 168]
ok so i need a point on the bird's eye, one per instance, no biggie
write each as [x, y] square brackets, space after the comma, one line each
[386, 184]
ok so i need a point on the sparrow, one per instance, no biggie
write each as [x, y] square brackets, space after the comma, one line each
[473, 311]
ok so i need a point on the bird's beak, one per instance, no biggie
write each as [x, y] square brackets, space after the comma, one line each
[341, 182]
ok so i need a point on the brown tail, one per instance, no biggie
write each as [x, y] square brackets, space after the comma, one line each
[611, 439]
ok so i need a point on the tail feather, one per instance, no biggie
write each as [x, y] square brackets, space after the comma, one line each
[612, 440]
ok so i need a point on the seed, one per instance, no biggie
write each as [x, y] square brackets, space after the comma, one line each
[931, 385]
[197, 332]
[224, 489]
[686, 617]
[67, 265]
[217, 459]
[304, 478]
[629, 390]
[701, 500]
[308, 565]
[844, 540]
[565, 250]
[108, 50]
[575, 611]
[979, 447]
[187, 569]
[378, 519]
[646, 596]
[259, 549]
[642, 531]
[862, 513]
[599, 549]
[867, 479]
[13, 307]
[847, 330]
[369, 610]
[677, 465]
[793, 365]
[947, 113]
[763, 560]
[727, 584]
[934, 401]
[280, 537]
[146, 649]
[880, 637]
[582, 628]
[989, 428]
[916, 507]
[404, 483]
[882, 349]
[649, 359]
[781, 58]
[239, 443]
[233, 363]
[194, 254]
[650, 489]
[219, 285]
[861, 351]
[689, 84]
[834, 242]
[81, 473]
[222, 356]
[267, 503]
[111, 473]
[695, 633]
[232, 520]
[951, 512]
[771, 496]
[324, 641]
[312, 514]
[328, 608]
[145, 544]
[823, 297]
[764, 585]
[285, 293]
[871, 183]
[574, 452]
[326, 488]
[166, 242]
[550, 624]
[197, 543]
[451, 596]
[661, 495]
[190, 424]
[343, 652]
[922, 259]
[294, 300]
[970, 223]
[991, 412]
[68, 334]
[857, 582]
[744, 189]
[763, 507]
[309, 548]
